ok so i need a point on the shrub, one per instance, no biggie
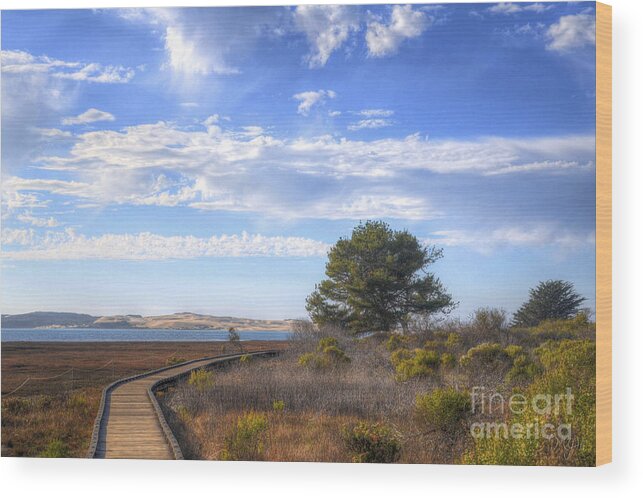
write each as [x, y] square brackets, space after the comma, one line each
[372, 443]
[567, 364]
[55, 449]
[245, 359]
[453, 341]
[201, 379]
[447, 360]
[183, 413]
[246, 440]
[278, 405]
[523, 370]
[174, 360]
[326, 342]
[573, 328]
[77, 401]
[422, 363]
[397, 341]
[313, 361]
[443, 409]
[486, 356]
[328, 354]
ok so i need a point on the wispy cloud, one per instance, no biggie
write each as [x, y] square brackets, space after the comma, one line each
[21, 62]
[311, 98]
[486, 241]
[507, 8]
[68, 245]
[91, 115]
[370, 123]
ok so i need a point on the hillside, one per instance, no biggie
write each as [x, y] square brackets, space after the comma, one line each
[182, 321]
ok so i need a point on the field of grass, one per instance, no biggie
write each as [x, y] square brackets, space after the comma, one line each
[54, 417]
[397, 398]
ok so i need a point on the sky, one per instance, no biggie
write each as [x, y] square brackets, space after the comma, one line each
[206, 159]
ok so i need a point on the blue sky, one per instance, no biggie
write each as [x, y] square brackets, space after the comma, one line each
[165, 160]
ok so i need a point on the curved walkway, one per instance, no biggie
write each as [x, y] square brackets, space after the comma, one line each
[130, 423]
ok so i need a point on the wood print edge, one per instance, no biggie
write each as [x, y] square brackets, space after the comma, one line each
[603, 233]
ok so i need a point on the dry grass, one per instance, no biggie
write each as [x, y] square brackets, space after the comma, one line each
[317, 406]
[63, 410]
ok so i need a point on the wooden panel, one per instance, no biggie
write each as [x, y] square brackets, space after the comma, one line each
[603, 233]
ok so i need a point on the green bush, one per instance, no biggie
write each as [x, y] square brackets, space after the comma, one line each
[372, 443]
[174, 360]
[246, 440]
[326, 342]
[447, 360]
[488, 356]
[453, 341]
[397, 341]
[523, 370]
[55, 449]
[514, 350]
[245, 359]
[328, 354]
[574, 328]
[422, 363]
[278, 405]
[567, 364]
[443, 409]
[201, 379]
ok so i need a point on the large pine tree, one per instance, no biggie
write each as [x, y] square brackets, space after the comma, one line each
[549, 300]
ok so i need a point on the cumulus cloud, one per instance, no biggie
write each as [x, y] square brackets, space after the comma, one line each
[326, 27]
[21, 62]
[69, 245]
[91, 115]
[572, 32]
[385, 39]
[512, 236]
[309, 99]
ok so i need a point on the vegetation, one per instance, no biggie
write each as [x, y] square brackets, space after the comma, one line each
[378, 280]
[443, 409]
[549, 300]
[246, 439]
[372, 443]
[201, 379]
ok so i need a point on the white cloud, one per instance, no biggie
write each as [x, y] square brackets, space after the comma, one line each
[91, 115]
[20, 62]
[370, 123]
[17, 236]
[375, 113]
[507, 8]
[326, 27]
[538, 236]
[186, 55]
[385, 39]
[246, 169]
[572, 32]
[29, 218]
[68, 245]
[308, 99]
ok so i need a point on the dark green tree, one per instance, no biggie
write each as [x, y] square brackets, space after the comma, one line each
[378, 280]
[549, 300]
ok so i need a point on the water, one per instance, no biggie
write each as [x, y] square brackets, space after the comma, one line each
[135, 335]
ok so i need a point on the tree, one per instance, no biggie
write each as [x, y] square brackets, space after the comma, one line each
[234, 338]
[549, 300]
[378, 281]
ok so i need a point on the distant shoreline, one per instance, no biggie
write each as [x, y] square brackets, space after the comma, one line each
[46, 320]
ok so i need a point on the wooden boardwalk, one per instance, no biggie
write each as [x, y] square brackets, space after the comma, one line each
[129, 425]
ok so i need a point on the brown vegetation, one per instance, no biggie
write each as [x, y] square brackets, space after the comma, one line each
[55, 417]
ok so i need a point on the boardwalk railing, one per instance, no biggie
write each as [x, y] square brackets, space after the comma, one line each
[169, 436]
